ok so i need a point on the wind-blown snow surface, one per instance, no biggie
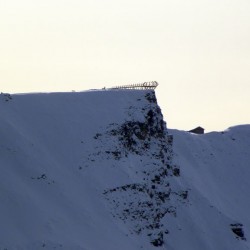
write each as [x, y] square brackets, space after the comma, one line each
[95, 171]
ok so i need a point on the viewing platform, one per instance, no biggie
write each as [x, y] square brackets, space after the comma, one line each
[142, 86]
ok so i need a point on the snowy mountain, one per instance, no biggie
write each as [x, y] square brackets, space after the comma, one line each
[99, 170]
[215, 168]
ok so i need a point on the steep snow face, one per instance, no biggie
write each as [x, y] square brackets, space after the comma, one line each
[87, 170]
[215, 168]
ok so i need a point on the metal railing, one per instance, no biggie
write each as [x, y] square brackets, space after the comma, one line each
[144, 85]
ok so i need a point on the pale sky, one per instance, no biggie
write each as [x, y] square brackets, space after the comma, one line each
[197, 50]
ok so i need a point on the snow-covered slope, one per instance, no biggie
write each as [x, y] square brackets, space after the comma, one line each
[82, 170]
[215, 168]
[96, 170]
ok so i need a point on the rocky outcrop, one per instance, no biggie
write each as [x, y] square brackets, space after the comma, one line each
[145, 203]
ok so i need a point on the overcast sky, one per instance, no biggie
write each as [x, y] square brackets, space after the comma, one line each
[198, 51]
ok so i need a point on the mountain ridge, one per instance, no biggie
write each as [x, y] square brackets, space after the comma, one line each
[100, 170]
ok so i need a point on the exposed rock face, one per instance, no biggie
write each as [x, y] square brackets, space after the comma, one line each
[145, 202]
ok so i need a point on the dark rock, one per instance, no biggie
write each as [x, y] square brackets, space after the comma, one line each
[158, 241]
[237, 229]
[176, 172]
